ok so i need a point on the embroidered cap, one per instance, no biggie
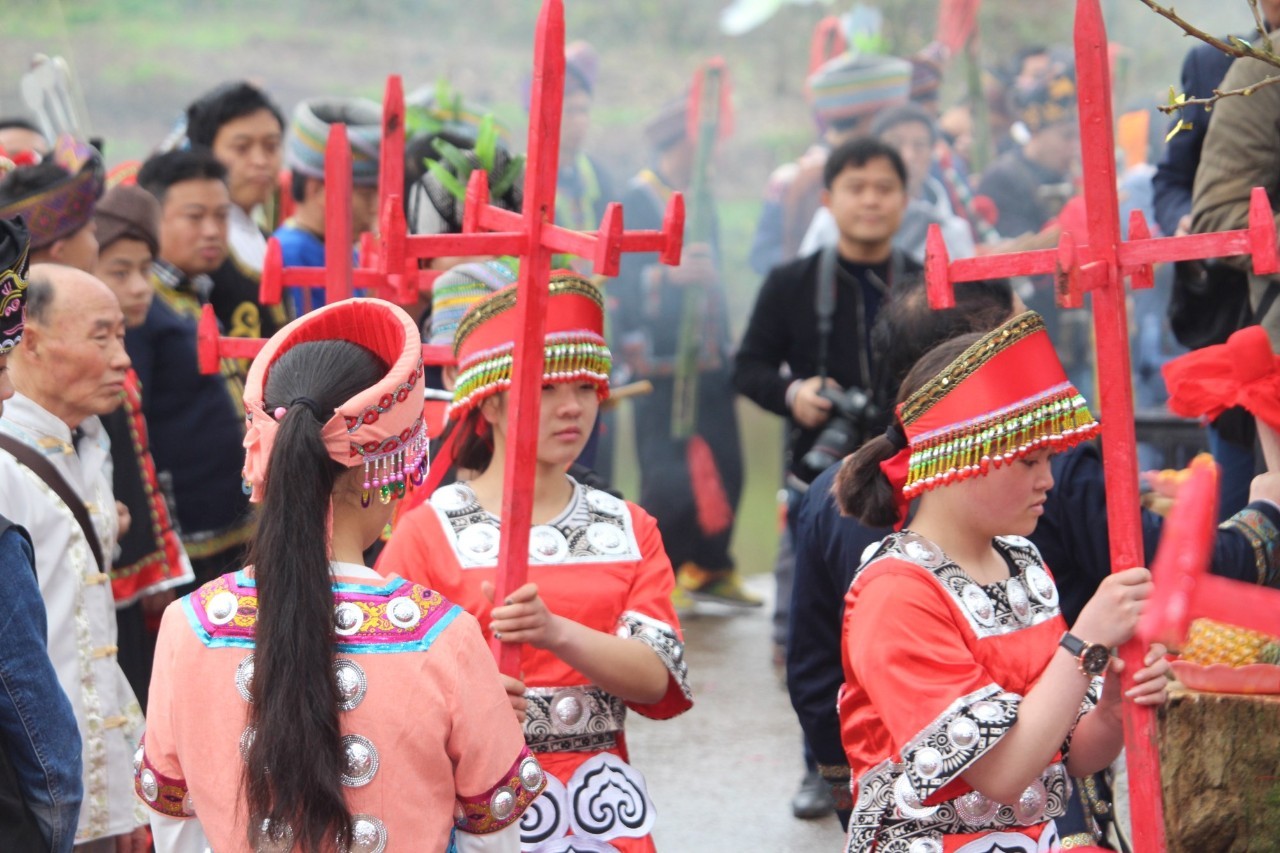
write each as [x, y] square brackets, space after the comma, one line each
[308, 134]
[851, 87]
[575, 348]
[14, 251]
[65, 206]
[460, 288]
[1002, 399]
[379, 428]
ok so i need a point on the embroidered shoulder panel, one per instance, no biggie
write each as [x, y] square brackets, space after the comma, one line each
[1029, 597]
[164, 794]
[664, 641]
[597, 529]
[396, 616]
[504, 803]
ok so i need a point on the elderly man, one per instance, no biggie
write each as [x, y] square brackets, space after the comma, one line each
[55, 462]
[40, 788]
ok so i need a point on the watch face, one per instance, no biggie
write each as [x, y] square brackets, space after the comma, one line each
[1095, 659]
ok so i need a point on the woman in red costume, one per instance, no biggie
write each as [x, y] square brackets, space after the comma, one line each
[599, 632]
[967, 703]
[307, 702]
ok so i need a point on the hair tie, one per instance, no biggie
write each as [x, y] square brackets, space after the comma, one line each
[280, 411]
[310, 404]
[897, 437]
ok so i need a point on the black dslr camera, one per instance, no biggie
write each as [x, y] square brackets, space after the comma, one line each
[853, 416]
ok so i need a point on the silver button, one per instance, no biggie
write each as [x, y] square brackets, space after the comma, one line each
[909, 802]
[979, 604]
[480, 540]
[976, 809]
[605, 503]
[1029, 809]
[246, 741]
[404, 612]
[453, 498]
[531, 775]
[138, 755]
[988, 712]
[150, 787]
[547, 545]
[606, 538]
[222, 607]
[352, 683]
[275, 838]
[963, 732]
[1018, 601]
[244, 678]
[359, 761]
[368, 835]
[347, 618]
[188, 804]
[928, 762]
[925, 845]
[502, 803]
[568, 709]
[920, 550]
[1042, 586]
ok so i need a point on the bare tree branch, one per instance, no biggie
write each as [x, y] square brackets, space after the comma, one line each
[1234, 47]
[1218, 94]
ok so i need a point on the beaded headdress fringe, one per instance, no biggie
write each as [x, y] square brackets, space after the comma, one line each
[570, 356]
[1056, 418]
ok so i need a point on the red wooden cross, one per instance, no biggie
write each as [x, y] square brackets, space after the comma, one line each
[1100, 267]
[487, 230]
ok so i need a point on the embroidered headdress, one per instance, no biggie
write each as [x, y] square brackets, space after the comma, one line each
[66, 206]
[575, 348]
[1001, 399]
[379, 428]
[14, 249]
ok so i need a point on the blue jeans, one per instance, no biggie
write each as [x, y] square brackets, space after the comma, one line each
[37, 726]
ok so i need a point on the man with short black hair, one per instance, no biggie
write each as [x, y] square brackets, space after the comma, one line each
[177, 400]
[827, 350]
[913, 132]
[866, 193]
[243, 128]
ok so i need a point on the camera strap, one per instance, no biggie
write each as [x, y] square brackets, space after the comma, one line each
[824, 305]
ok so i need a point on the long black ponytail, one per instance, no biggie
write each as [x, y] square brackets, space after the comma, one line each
[294, 763]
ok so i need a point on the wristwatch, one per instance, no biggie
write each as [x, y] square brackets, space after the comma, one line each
[1092, 657]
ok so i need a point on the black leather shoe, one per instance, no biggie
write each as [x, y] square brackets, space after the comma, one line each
[813, 799]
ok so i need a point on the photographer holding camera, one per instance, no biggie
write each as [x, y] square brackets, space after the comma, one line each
[814, 316]
[806, 354]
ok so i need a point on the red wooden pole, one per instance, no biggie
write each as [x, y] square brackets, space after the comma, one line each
[524, 403]
[337, 216]
[1115, 397]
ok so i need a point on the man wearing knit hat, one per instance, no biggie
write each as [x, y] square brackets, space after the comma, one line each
[150, 559]
[845, 94]
[128, 221]
[56, 198]
[302, 235]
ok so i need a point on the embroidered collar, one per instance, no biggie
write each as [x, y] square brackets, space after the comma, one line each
[175, 279]
[388, 615]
